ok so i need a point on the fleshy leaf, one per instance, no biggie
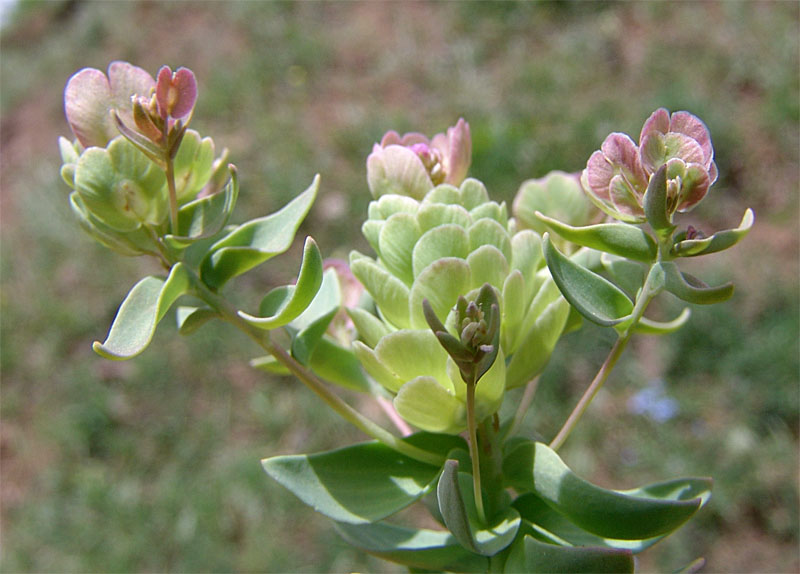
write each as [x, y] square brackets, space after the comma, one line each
[356, 484]
[427, 405]
[190, 319]
[440, 283]
[655, 202]
[369, 327]
[294, 298]
[531, 555]
[256, 241]
[390, 293]
[618, 238]
[338, 365]
[632, 515]
[593, 296]
[650, 327]
[443, 241]
[430, 550]
[718, 242]
[457, 507]
[205, 217]
[691, 289]
[396, 243]
[140, 312]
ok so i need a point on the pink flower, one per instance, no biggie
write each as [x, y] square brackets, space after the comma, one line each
[617, 175]
[683, 143]
[91, 96]
[176, 93]
[412, 164]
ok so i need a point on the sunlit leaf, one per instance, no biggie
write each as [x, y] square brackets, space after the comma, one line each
[720, 241]
[531, 555]
[593, 296]
[632, 515]
[256, 241]
[691, 289]
[140, 312]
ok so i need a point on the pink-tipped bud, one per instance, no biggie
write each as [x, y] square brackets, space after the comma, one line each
[176, 93]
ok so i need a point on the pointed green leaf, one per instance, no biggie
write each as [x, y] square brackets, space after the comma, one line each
[190, 319]
[140, 312]
[294, 299]
[207, 216]
[650, 327]
[432, 550]
[338, 365]
[305, 342]
[720, 241]
[256, 241]
[531, 555]
[635, 515]
[655, 202]
[356, 484]
[451, 506]
[593, 296]
[558, 529]
[457, 506]
[693, 290]
[617, 238]
[269, 364]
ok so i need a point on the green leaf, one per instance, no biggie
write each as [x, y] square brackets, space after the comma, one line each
[207, 216]
[691, 289]
[460, 515]
[130, 243]
[287, 303]
[417, 548]
[593, 296]
[558, 529]
[426, 404]
[338, 365]
[617, 238]
[356, 484]
[369, 327]
[718, 242]
[440, 283]
[655, 203]
[443, 241]
[530, 555]
[538, 341]
[650, 327]
[256, 241]
[305, 342]
[270, 364]
[632, 515]
[140, 312]
[390, 294]
[190, 319]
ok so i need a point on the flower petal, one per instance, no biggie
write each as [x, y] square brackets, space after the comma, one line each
[87, 101]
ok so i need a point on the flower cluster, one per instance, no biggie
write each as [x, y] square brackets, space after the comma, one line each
[438, 247]
[129, 127]
[617, 175]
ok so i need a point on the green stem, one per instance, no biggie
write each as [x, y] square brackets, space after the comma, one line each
[473, 452]
[313, 382]
[649, 291]
[173, 195]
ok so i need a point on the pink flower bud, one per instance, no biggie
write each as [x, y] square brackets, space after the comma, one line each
[176, 93]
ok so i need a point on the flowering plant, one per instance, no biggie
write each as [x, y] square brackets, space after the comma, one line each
[461, 302]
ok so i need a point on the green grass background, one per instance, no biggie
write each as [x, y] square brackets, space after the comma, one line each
[153, 464]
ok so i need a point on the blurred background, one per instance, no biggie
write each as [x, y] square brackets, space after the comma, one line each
[153, 464]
